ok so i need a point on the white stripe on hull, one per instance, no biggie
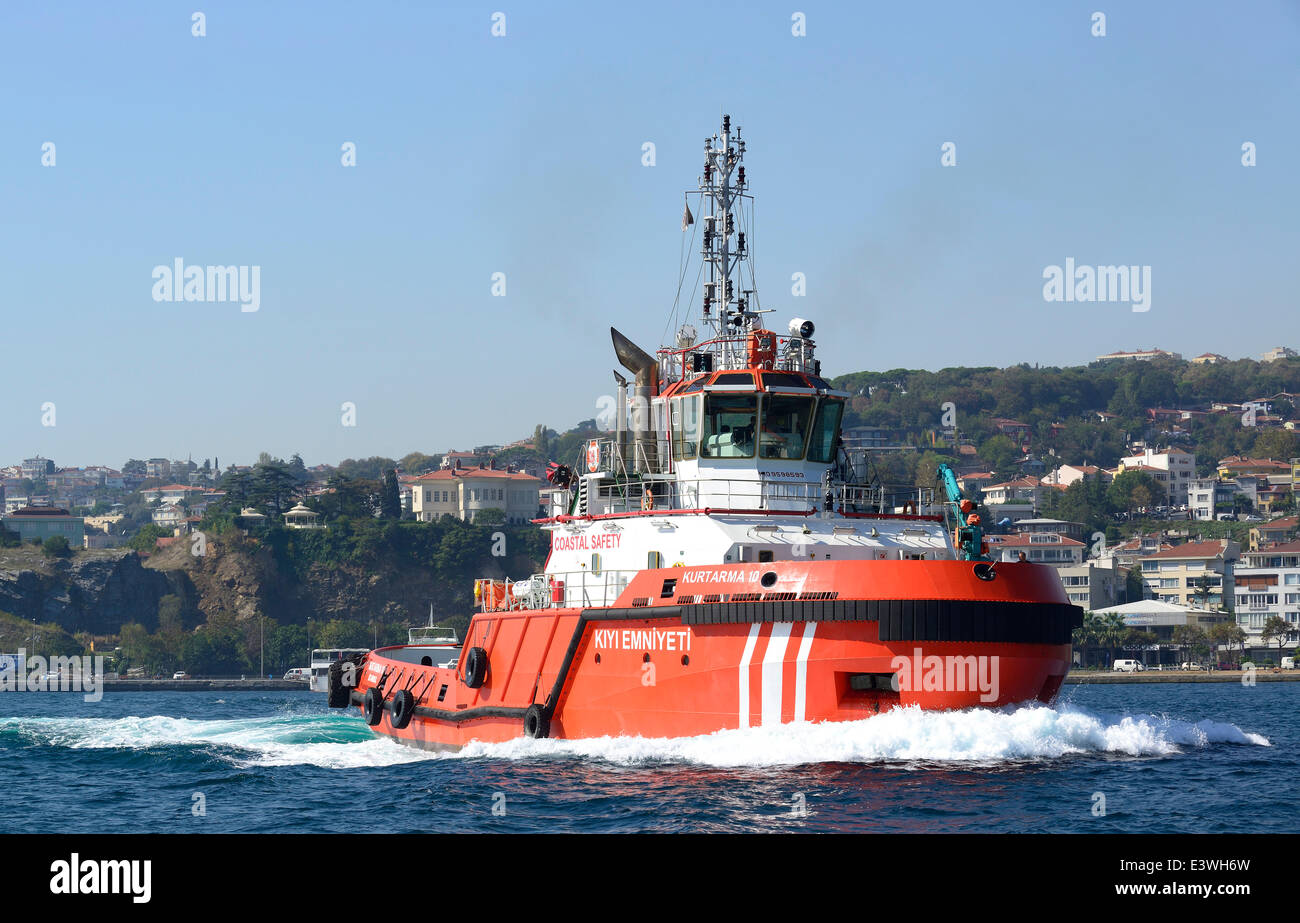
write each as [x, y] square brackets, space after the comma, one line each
[744, 673]
[774, 672]
[801, 673]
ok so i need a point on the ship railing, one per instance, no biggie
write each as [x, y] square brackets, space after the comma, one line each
[558, 589]
[764, 494]
[793, 354]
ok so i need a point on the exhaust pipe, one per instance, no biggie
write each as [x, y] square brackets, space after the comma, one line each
[642, 364]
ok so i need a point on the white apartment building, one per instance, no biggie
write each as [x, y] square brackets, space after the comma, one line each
[1179, 468]
[1093, 584]
[1268, 583]
[1175, 575]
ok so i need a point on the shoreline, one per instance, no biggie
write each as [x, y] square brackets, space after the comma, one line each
[1181, 676]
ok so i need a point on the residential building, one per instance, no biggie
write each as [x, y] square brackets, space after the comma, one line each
[171, 493]
[1268, 584]
[1175, 575]
[1179, 468]
[1037, 547]
[1013, 429]
[1208, 359]
[464, 492]
[1139, 355]
[1276, 353]
[976, 480]
[42, 522]
[1027, 489]
[1274, 532]
[1093, 584]
[37, 467]
[1066, 475]
[1207, 498]
[1238, 466]
[1072, 530]
[168, 516]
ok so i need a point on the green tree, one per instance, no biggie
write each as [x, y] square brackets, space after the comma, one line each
[56, 546]
[390, 500]
[147, 537]
[1278, 629]
[1000, 453]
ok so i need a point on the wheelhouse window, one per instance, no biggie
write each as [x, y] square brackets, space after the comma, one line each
[826, 426]
[687, 438]
[785, 426]
[730, 425]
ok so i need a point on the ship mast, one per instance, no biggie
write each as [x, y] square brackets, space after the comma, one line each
[726, 310]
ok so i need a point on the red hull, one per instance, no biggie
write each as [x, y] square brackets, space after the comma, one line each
[690, 651]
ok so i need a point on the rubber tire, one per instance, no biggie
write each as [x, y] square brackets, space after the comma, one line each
[403, 705]
[537, 724]
[340, 696]
[373, 706]
[476, 667]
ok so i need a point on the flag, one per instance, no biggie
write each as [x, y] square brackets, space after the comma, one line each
[687, 218]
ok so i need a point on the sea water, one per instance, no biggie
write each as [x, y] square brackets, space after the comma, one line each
[1155, 758]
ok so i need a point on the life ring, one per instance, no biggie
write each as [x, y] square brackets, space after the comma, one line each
[403, 708]
[536, 722]
[476, 665]
[648, 500]
[593, 455]
[909, 508]
[373, 706]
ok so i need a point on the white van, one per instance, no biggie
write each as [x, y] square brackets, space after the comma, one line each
[1127, 666]
[299, 673]
[1288, 663]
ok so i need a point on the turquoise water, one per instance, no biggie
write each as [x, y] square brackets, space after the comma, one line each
[1167, 758]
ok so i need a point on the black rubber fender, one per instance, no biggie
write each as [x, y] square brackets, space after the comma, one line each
[476, 667]
[403, 705]
[340, 696]
[373, 706]
[537, 723]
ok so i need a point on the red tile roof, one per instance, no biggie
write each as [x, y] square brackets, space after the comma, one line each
[447, 474]
[1026, 539]
[1212, 549]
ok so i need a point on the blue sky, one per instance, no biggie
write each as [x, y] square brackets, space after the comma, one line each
[522, 154]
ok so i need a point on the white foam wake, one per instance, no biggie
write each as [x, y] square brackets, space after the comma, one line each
[329, 741]
[910, 735]
[907, 735]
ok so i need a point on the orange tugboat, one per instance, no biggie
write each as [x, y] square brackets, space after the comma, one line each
[721, 561]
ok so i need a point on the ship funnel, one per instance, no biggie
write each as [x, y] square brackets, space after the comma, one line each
[642, 364]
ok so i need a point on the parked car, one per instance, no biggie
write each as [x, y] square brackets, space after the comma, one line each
[1192, 665]
[1127, 666]
[302, 673]
[180, 674]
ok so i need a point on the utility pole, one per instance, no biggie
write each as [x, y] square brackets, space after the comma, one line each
[261, 624]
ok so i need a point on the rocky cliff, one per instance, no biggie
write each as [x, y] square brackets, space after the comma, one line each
[94, 591]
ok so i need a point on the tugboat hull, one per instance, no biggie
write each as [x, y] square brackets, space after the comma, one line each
[930, 634]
